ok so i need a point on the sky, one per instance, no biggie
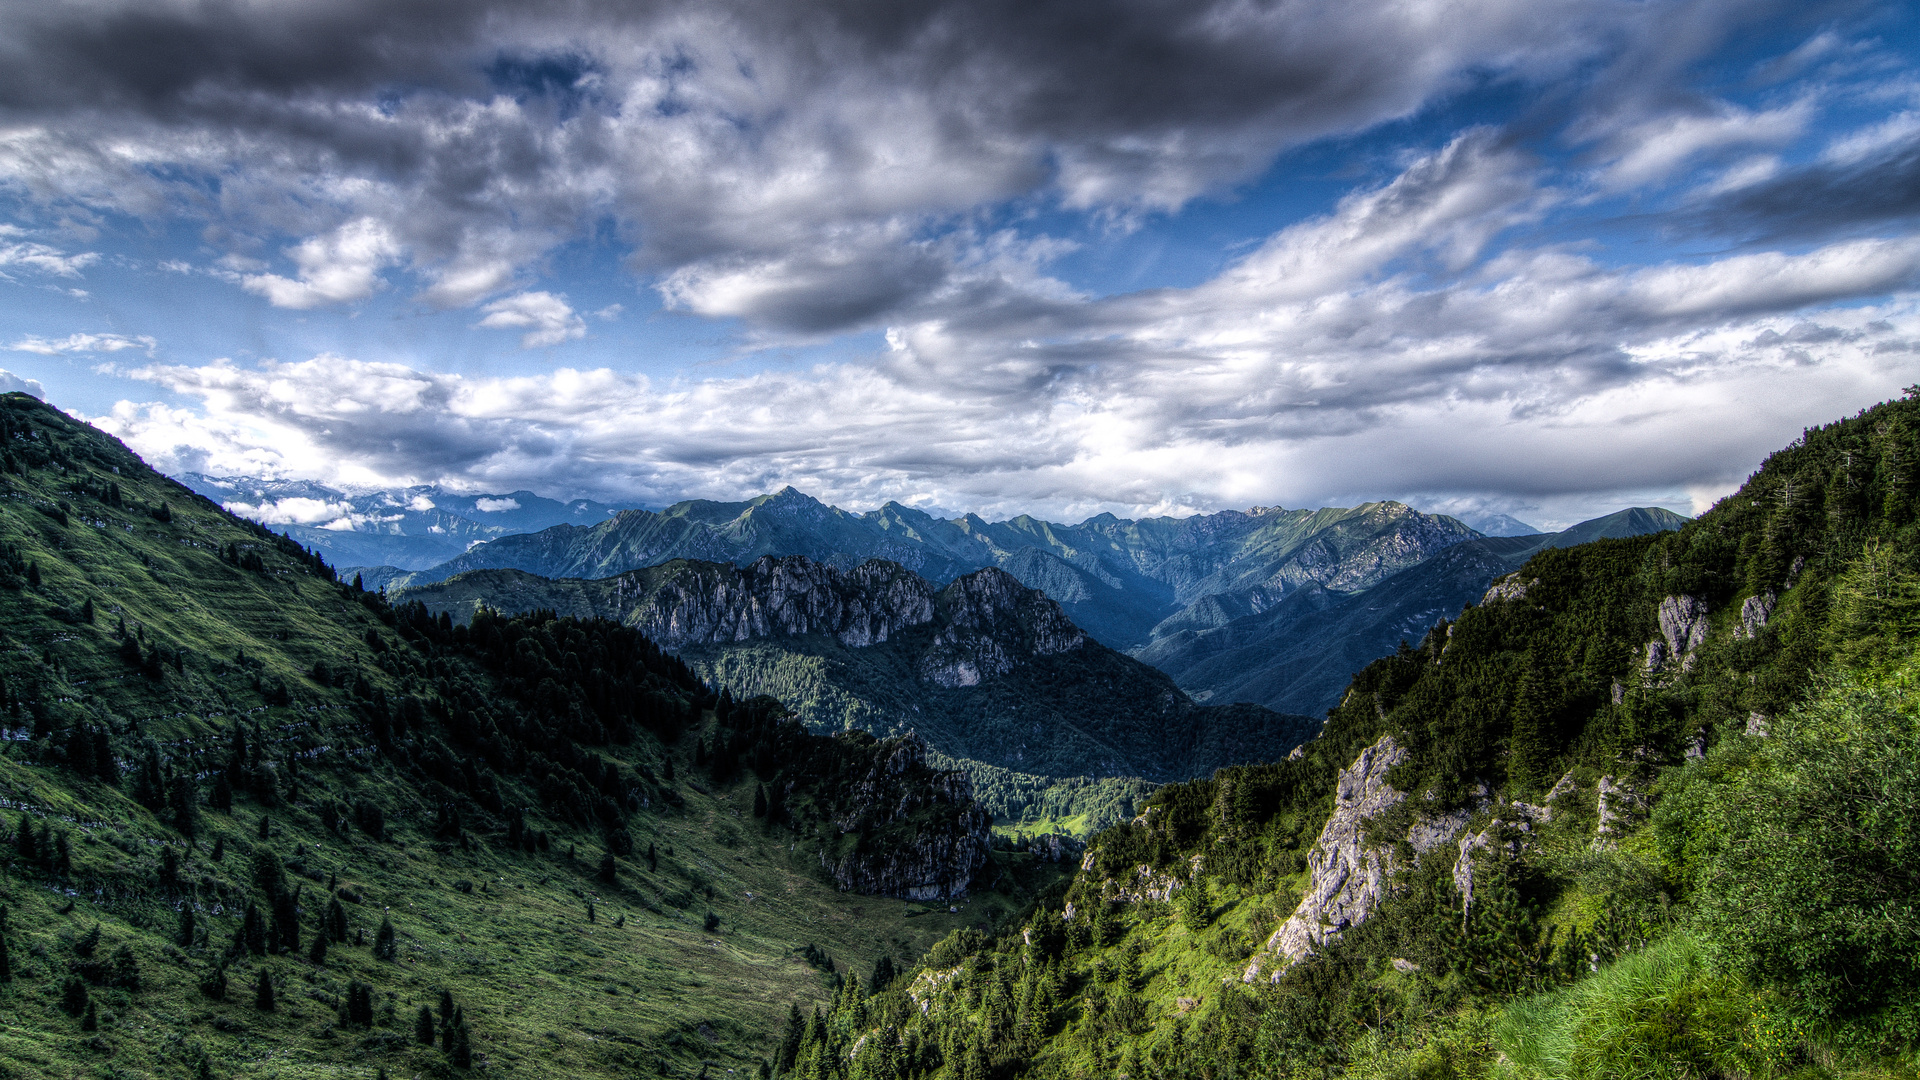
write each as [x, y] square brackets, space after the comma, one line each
[1542, 257]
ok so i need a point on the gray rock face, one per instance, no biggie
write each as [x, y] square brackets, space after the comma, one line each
[1754, 613]
[984, 613]
[1683, 628]
[784, 597]
[1346, 877]
[941, 857]
[986, 621]
[1507, 588]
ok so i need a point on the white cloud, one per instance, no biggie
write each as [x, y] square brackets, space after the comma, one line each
[44, 259]
[340, 266]
[83, 343]
[494, 506]
[549, 318]
[1651, 150]
[17, 384]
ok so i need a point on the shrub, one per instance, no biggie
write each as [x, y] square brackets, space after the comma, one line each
[1658, 1014]
[1803, 858]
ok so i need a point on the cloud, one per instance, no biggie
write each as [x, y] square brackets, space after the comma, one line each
[490, 506]
[16, 384]
[44, 259]
[340, 266]
[550, 319]
[786, 163]
[83, 343]
[1873, 183]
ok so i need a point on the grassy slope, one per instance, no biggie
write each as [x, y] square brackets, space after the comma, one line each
[1515, 695]
[546, 992]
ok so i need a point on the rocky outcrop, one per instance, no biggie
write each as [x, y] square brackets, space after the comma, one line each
[785, 597]
[1754, 613]
[1683, 629]
[1507, 588]
[1346, 877]
[989, 619]
[918, 833]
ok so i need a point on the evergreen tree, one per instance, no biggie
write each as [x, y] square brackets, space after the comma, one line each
[215, 984]
[30, 850]
[252, 935]
[386, 944]
[263, 991]
[336, 925]
[423, 1031]
[91, 1021]
[1196, 903]
[590, 914]
[609, 869]
[6, 960]
[189, 925]
[317, 952]
[183, 805]
[219, 851]
[73, 995]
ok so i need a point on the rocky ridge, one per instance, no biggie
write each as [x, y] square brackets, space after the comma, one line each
[939, 834]
[985, 668]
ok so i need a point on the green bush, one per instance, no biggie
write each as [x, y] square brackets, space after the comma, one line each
[1806, 858]
[1657, 1014]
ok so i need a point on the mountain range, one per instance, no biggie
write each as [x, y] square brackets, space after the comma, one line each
[408, 528]
[984, 669]
[1268, 606]
[1643, 809]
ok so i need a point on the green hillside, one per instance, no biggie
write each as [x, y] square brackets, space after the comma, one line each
[1694, 860]
[223, 769]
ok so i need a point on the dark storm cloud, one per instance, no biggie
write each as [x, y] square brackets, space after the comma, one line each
[721, 136]
[1880, 189]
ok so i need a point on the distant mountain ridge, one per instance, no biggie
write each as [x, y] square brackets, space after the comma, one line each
[1115, 578]
[406, 528]
[1299, 655]
[984, 668]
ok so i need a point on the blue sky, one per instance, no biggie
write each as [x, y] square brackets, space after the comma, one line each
[1541, 258]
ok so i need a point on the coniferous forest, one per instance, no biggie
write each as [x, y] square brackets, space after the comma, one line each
[1645, 810]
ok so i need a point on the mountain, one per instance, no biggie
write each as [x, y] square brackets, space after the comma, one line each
[985, 669]
[1115, 578]
[258, 822]
[1298, 655]
[1645, 811]
[1498, 525]
[403, 528]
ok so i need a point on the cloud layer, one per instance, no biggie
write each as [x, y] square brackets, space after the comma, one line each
[1645, 258]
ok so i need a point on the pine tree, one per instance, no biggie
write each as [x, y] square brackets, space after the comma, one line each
[91, 1021]
[219, 851]
[590, 914]
[263, 991]
[252, 935]
[1196, 903]
[215, 984]
[423, 1026]
[386, 945]
[336, 920]
[6, 960]
[73, 995]
[609, 869]
[182, 802]
[30, 851]
[317, 952]
[189, 925]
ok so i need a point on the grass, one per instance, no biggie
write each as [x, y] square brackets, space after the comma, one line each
[640, 989]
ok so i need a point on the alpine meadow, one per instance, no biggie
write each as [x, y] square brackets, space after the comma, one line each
[1643, 810]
